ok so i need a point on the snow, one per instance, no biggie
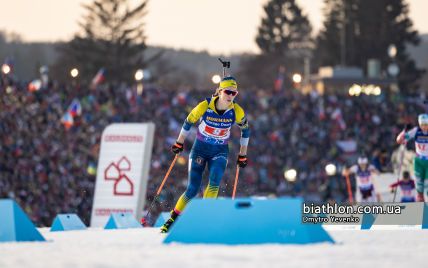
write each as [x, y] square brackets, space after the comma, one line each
[143, 248]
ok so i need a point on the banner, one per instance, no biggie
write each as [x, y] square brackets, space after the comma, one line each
[123, 170]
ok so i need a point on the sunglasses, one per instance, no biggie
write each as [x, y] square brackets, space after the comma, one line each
[230, 92]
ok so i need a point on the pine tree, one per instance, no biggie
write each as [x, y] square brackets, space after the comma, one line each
[283, 38]
[284, 30]
[112, 37]
[328, 40]
[369, 28]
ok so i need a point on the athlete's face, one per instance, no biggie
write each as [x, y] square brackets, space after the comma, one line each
[228, 94]
[363, 166]
[424, 127]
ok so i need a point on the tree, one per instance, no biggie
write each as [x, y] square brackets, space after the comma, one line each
[284, 30]
[112, 37]
[329, 39]
[358, 30]
[283, 38]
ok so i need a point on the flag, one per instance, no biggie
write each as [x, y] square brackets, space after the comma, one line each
[99, 77]
[131, 97]
[337, 116]
[180, 99]
[279, 81]
[35, 85]
[67, 120]
[75, 108]
[347, 146]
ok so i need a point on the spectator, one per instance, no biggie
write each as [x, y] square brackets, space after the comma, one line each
[44, 166]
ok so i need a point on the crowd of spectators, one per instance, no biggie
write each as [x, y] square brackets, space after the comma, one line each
[44, 166]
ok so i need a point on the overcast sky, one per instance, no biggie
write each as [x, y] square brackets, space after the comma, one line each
[219, 26]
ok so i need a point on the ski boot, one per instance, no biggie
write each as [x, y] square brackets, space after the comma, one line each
[165, 227]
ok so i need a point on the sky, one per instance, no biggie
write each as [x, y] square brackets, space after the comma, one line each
[217, 26]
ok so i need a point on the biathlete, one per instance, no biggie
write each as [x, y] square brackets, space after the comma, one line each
[407, 187]
[215, 116]
[366, 191]
[420, 165]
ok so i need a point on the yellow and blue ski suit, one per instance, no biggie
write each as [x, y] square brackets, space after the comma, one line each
[211, 146]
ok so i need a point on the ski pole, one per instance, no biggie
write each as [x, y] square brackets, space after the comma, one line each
[348, 186]
[399, 170]
[401, 161]
[143, 220]
[236, 182]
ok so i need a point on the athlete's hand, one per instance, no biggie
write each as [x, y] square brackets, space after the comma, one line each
[345, 172]
[177, 148]
[401, 139]
[242, 161]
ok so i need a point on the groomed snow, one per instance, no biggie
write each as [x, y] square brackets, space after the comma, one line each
[143, 248]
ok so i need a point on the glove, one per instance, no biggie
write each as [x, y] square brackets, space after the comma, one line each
[177, 148]
[402, 134]
[242, 161]
[402, 142]
[401, 138]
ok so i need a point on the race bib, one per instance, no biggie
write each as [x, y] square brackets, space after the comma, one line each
[364, 180]
[421, 148]
[217, 132]
[406, 193]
